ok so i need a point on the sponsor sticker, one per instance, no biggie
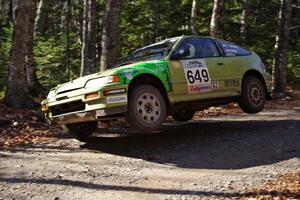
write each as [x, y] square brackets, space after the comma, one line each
[116, 99]
[231, 83]
[197, 75]
[129, 73]
[215, 84]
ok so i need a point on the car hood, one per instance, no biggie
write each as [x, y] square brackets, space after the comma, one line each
[80, 82]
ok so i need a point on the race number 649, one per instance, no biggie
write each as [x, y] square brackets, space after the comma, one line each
[200, 75]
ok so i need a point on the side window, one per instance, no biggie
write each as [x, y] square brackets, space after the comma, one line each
[197, 48]
[231, 49]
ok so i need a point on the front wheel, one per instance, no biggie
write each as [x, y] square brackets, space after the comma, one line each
[81, 131]
[146, 108]
[253, 97]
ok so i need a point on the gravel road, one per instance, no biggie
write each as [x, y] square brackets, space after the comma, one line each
[213, 158]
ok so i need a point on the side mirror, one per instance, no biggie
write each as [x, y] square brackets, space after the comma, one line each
[180, 53]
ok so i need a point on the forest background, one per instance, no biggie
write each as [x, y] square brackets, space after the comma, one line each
[44, 43]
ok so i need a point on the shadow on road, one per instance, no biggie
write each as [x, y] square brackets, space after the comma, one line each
[209, 144]
[88, 185]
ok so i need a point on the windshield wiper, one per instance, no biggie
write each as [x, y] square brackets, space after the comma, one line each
[123, 63]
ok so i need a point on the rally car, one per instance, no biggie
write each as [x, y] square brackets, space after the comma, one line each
[176, 76]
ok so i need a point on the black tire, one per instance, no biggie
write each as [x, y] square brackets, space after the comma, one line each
[253, 97]
[81, 131]
[146, 108]
[183, 115]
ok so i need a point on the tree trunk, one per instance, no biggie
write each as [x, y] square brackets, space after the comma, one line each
[1, 56]
[194, 13]
[1, 13]
[65, 27]
[157, 19]
[17, 94]
[68, 20]
[10, 15]
[41, 17]
[110, 43]
[33, 85]
[244, 23]
[88, 52]
[216, 19]
[281, 47]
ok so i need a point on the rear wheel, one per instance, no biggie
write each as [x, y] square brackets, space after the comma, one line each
[183, 115]
[146, 108]
[81, 131]
[253, 97]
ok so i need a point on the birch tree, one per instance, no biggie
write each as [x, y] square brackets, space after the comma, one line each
[41, 17]
[216, 18]
[244, 22]
[33, 86]
[14, 4]
[194, 13]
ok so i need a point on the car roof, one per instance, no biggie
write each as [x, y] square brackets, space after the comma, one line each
[179, 38]
[174, 38]
[161, 42]
[198, 36]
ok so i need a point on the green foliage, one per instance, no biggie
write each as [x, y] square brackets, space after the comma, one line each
[50, 59]
[262, 29]
[293, 73]
[138, 21]
[5, 45]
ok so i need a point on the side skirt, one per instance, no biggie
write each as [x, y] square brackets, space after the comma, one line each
[203, 104]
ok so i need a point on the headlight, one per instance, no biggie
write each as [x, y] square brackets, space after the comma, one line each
[51, 94]
[102, 81]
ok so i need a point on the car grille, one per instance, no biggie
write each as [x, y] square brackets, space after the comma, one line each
[67, 108]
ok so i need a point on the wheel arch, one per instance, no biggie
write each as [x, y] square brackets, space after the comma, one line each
[257, 74]
[152, 80]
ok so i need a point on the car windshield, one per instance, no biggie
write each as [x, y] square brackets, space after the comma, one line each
[155, 51]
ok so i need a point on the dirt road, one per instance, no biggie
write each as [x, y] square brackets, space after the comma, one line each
[212, 158]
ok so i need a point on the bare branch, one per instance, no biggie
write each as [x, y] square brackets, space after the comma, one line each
[295, 6]
[295, 27]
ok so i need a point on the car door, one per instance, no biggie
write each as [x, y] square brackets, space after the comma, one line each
[235, 61]
[195, 70]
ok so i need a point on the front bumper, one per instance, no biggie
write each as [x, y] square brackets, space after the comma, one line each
[74, 107]
[93, 115]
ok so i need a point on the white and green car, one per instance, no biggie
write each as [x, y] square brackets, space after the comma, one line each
[176, 76]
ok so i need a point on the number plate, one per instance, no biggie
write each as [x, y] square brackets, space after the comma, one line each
[197, 75]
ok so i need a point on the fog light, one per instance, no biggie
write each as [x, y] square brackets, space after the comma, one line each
[92, 95]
